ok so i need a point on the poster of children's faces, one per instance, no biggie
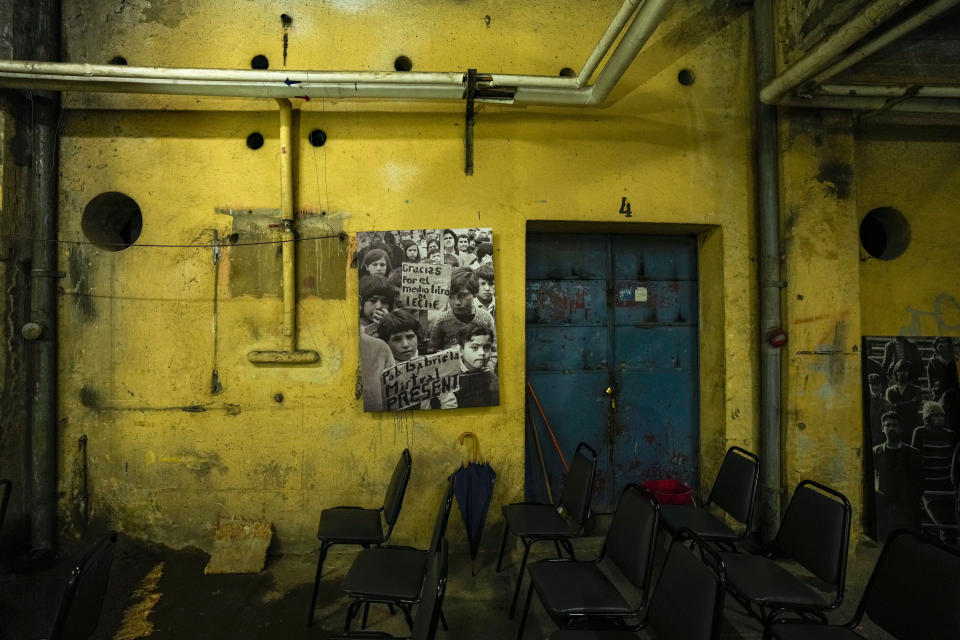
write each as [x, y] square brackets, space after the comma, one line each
[428, 336]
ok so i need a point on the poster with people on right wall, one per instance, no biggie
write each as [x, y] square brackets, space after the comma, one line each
[912, 433]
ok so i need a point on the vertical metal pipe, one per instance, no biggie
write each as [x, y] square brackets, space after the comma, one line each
[286, 219]
[768, 238]
[43, 305]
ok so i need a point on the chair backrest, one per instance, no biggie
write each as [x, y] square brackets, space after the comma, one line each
[443, 516]
[396, 489]
[431, 597]
[5, 488]
[79, 611]
[578, 485]
[815, 531]
[735, 489]
[687, 602]
[632, 536]
[914, 591]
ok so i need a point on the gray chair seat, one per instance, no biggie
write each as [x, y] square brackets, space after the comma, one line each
[703, 523]
[386, 573]
[812, 632]
[763, 581]
[536, 521]
[569, 587]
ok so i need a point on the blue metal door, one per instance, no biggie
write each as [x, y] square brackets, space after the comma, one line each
[612, 357]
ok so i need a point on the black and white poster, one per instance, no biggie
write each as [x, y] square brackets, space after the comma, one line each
[427, 319]
[911, 426]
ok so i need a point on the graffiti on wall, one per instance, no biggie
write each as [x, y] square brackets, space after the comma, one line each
[427, 319]
[911, 428]
[943, 318]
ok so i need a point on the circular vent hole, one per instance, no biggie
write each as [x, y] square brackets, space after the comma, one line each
[686, 77]
[112, 221]
[255, 140]
[118, 60]
[317, 137]
[259, 62]
[567, 72]
[403, 63]
[885, 233]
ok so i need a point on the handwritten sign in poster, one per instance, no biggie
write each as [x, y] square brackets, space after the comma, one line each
[424, 286]
[420, 379]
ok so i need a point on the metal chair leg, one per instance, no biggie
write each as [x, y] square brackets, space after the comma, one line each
[523, 565]
[351, 614]
[406, 614]
[569, 547]
[503, 545]
[324, 546]
[526, 611]
[366, 610]
[443, 619]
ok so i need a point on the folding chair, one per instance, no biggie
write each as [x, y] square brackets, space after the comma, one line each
[575, 592]
[687, 601]
[912, 594]
[734, 491]
[5, 488]
[428, 612]
[79, 611]
[534, 522]
[394, 575]
[356, 525]
[814, 532]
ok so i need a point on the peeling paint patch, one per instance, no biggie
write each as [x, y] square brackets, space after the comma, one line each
[90, 398]
[255, 267]
[836, 178]
[274, 476]
[78, 269]
[199, 464]
[169, 14]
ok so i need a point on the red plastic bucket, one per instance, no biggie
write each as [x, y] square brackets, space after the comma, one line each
[670, 491]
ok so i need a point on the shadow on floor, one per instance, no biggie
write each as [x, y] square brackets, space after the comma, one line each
[159, 593]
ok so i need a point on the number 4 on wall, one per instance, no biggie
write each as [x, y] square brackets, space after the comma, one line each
[625, 208]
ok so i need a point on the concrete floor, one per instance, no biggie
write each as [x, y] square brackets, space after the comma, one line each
[161, 594]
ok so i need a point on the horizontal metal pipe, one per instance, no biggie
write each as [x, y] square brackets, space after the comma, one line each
[910, 24]
[885, 91]
[253, 89]
[391, 85]
[530, 95]
[33, 67]
[915, 105]
[829, 48]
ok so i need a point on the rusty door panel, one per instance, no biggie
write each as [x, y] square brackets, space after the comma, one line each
[619, 313]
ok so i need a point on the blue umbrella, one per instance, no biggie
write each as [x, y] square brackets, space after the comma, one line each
[473, 490]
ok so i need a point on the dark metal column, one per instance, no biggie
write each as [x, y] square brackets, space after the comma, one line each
[768, 238]
[43, 306]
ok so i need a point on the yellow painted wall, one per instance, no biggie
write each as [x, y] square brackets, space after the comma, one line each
[137, 326]
[821, 417]
[916, 171]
